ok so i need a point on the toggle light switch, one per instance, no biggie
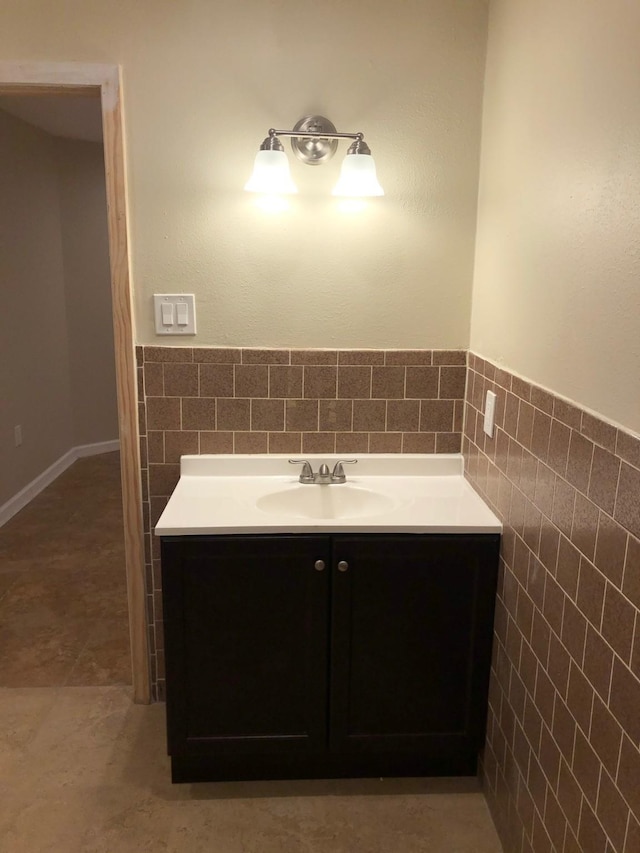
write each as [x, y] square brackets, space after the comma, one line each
[167, 313]
[182, 313]
[175, 313]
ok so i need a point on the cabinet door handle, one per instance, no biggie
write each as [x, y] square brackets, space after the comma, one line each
[319, 565]
[343, 566]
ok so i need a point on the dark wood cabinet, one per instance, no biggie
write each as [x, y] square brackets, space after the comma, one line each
[246, 644]
[302, 655]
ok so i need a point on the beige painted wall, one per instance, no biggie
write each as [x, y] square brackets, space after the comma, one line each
[34, 366]
[557, 277]
[203, 82]
[83, 206]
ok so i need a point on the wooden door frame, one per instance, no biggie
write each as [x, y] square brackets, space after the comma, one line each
[103, 81]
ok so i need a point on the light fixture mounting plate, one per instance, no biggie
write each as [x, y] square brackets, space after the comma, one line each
[313, 149]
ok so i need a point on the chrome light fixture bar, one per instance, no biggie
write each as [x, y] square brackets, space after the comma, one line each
[314, 140]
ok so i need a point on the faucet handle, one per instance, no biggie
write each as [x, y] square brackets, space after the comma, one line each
[306, 475]
[338, 475]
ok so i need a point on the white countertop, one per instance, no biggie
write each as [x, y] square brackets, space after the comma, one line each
[409, 493]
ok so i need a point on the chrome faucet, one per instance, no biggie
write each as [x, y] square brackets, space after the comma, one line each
[323, 477]
[338, 475]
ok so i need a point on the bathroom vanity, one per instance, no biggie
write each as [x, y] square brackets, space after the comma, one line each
[326, 633]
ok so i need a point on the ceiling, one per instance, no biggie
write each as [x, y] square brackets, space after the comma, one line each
[70, 117]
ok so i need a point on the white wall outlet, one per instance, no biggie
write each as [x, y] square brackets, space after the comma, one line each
[175, 313]
[489, 413]
[17, 435]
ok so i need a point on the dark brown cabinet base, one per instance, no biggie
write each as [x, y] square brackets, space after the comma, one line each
[309, 656]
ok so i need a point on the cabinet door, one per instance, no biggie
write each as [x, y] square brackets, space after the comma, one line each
[411, 642]
[246, 634]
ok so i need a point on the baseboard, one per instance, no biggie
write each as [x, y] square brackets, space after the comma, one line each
[97, 448]
[26, 495]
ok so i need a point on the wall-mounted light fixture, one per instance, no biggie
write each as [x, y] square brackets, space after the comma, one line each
[314, 140]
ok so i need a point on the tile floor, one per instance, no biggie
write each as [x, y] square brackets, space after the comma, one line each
[83, 769]
[63, 599]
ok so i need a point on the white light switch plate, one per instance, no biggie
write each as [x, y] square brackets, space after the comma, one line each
[175, 313]
[489, 413]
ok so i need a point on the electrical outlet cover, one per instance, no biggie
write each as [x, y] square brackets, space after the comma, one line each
[489, 413]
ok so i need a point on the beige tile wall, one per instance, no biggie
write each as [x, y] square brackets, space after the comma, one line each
[232, 400]
[562, 761]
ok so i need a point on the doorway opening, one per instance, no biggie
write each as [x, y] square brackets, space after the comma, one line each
[34, 80]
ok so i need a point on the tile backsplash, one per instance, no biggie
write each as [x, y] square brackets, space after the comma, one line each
[561, 766]
[235, 400]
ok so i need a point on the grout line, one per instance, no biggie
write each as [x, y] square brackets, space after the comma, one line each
[627, 832]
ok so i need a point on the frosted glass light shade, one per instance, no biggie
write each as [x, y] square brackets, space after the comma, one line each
[358, 177]
[271, 174]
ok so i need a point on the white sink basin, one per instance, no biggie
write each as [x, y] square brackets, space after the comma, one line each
[384, 493]
[335, 501]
